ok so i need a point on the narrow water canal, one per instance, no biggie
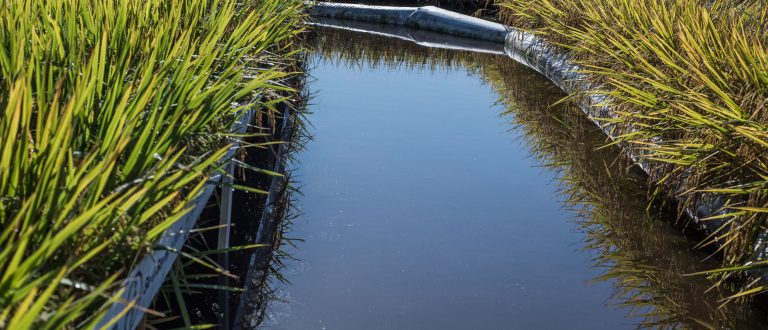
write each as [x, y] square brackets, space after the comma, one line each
[435, 196]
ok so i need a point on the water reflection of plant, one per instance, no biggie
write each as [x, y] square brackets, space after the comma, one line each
[689, 83]
[642, 252]
[261, 292]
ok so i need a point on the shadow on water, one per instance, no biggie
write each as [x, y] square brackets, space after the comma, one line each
[638, 248]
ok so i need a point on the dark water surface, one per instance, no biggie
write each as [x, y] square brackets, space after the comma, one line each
[426, 205]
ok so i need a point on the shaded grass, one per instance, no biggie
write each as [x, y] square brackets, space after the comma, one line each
[202, 290]
[689, 82]
[114, 115]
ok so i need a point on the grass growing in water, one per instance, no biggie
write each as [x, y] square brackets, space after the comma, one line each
[689, 82]
[114, 115]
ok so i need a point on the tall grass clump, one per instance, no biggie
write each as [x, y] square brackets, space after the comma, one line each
[688, 81]
[113, 114]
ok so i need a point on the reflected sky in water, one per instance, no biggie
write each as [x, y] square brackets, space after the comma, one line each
[426, 205]
[421, 210]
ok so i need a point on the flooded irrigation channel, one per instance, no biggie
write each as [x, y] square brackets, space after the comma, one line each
[445, 189]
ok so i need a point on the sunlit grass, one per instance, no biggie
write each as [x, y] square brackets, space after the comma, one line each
[113, 116]
[689, 82]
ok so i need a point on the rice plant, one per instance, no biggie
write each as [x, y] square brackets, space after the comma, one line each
[114, 115]
[689, 82]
